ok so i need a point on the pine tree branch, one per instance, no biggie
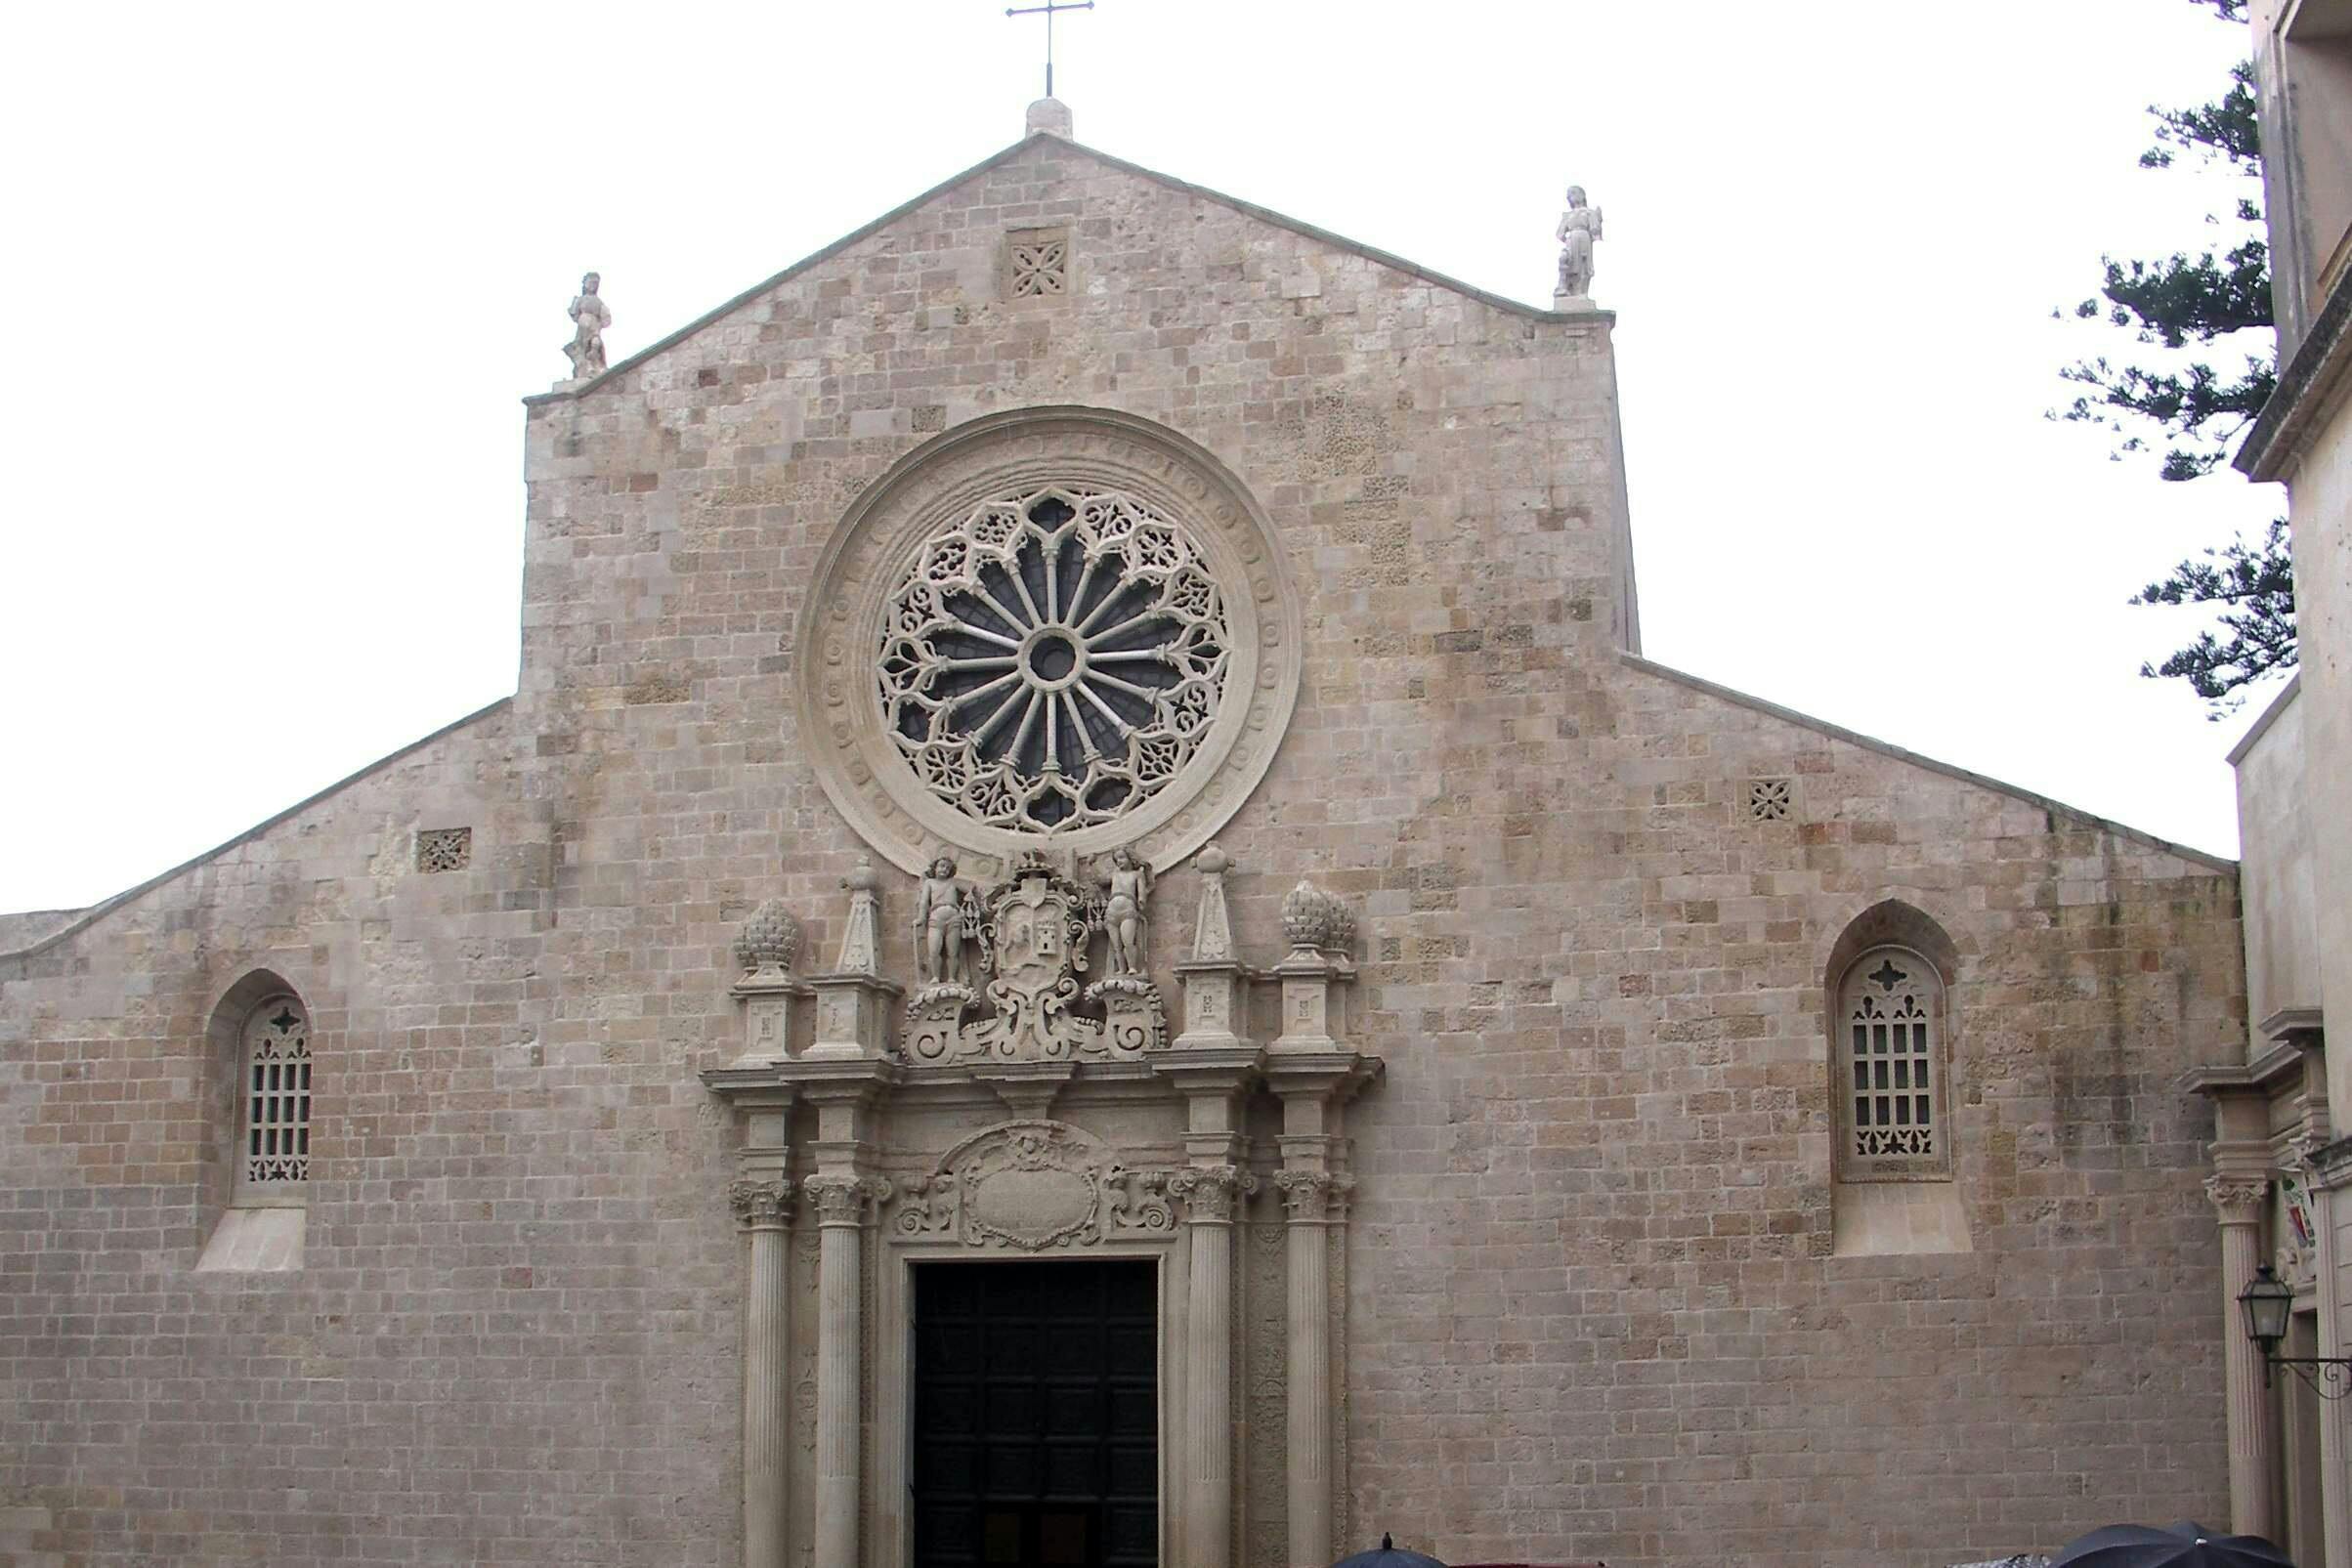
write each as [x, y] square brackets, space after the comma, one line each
[2254, 583]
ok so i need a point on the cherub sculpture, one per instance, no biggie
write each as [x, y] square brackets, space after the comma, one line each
[1579, 228]
[592, 316]
[939, 926]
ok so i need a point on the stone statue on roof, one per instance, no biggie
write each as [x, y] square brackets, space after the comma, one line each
[592, 316]
[1579, 228]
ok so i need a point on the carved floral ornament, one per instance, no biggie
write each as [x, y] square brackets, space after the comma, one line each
[1063, 627]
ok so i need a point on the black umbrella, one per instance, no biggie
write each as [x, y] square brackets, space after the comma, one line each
[1388, 1556]
[2184, 1545]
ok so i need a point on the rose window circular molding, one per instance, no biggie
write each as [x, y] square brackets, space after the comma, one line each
[1054, 660]
[1057, 628]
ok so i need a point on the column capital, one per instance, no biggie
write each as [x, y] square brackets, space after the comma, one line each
[2238, 1198]
[1207, 1192]
[1313, 1196]
[761, 1204]
[845, 1200]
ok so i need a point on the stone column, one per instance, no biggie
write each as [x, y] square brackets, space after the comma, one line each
[761, 1207]
[1207, 1194]
[843, 1202]
[1307, 1194]
[2327, 1175]
[2240, 1200]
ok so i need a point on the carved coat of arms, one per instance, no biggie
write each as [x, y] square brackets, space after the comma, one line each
[1032, 938]
[1033, 929]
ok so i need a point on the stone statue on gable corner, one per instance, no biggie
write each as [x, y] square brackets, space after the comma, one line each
[591, 316]
[1579, 228]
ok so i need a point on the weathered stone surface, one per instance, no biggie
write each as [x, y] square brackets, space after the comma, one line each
[1591, 1309]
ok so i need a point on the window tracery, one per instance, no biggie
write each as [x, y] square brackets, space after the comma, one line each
[277, 1095]
[1889, 1011]
[1052, 659]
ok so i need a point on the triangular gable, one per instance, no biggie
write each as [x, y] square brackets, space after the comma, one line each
[1264, 215]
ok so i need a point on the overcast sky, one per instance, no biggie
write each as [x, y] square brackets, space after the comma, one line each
[279, 275]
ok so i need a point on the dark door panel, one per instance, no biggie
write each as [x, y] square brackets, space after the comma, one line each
[1036, 1415]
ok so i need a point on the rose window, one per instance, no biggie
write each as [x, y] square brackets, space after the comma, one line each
[1051, 662]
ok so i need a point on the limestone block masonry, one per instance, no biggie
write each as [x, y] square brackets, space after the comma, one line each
[606, 1262]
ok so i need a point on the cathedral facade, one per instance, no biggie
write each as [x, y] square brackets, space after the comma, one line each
[1088, 941]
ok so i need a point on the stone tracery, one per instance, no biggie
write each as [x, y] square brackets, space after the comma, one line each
[1052, 659]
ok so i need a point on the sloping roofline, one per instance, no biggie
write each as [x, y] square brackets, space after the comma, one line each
[100, 911]
[104, 907]
[1248, 209]
[2278, 705]
[1886, 748]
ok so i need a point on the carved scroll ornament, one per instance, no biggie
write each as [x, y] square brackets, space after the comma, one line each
[1033, 1185]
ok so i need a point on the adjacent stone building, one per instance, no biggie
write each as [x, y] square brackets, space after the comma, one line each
[1087, 939]
[2282, 1168]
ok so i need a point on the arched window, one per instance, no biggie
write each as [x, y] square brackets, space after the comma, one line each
[275, 1101]
[1890, 1068]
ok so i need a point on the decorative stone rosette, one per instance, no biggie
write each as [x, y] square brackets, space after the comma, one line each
[1053, 660]
[1065, 625]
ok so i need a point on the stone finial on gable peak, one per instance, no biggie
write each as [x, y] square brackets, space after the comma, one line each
[1049, 114]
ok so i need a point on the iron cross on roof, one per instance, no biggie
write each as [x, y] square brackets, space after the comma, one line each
[1049, 11]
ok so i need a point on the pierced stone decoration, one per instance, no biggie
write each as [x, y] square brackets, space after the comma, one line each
[278, 1093]
[1771, 800]
[1890, 1003]
[1049, 623]
[1040, 263]
[1053, 660]
[445, 849]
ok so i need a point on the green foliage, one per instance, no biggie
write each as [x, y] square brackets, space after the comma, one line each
[2191, 409]
[2256, 585]
[2226, 128]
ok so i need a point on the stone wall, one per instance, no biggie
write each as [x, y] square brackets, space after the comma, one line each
[2278, 867]
[1592, 1307]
